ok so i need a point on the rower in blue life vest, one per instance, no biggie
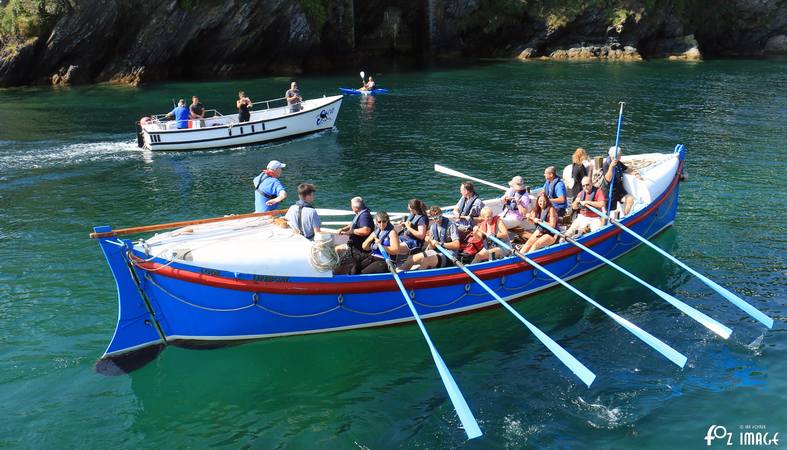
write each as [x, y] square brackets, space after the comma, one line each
[180, 114]
[268, 190]
[556, 190]
[467, 208]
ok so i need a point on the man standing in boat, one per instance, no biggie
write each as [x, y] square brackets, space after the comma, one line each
[180, 114]
[268, 190]
[196, 109]
[293, 97]
[302, 217]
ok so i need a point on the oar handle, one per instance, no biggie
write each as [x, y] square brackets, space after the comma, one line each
[165, 226]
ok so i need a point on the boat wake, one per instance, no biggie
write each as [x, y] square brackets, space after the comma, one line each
[601, 416]
[46, 154]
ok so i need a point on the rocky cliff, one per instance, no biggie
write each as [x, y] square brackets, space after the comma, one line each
[131, 41]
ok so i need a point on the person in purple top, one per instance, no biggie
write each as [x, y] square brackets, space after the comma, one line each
[516, 204]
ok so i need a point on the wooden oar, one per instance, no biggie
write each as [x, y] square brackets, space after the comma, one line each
[460, 405]
[165, 226]
[456, 173]
[579, 369]
[669, 352]
[734, 299]
[700, 317]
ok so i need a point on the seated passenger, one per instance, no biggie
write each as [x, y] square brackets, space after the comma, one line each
[484, 247]
[180, 114]
[542, 212]
[414, 228]
[613, 170]
[467, 209]
[556, 190]
[587, 220]
[580, 168]
[516, 202]
[442, 232]
[360, 227]
[302, 217]
[385, 235]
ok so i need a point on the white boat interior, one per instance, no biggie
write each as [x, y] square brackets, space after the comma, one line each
[260, 246]
[266, 110]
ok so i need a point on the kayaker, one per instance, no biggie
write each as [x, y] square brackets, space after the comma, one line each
[414, 228]
[293, 97]
[369, 85]
[615, 169]
[587, 220]
[385, 235]
[268, 190]
[467, 209]
[442, 232]
[302, 217]
[243, 104]
[544, 211]
[516, 203]
[180, 114]
[556, 190]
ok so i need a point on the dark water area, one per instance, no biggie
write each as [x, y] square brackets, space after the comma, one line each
[69, 161]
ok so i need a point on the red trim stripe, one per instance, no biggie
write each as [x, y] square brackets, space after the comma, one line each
[359, 287]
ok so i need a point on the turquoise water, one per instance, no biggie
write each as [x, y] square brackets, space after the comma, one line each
[68, 161]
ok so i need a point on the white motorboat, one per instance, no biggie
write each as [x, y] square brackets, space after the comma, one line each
[218, 130]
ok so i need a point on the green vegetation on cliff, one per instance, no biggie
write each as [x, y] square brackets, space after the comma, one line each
[21, 20]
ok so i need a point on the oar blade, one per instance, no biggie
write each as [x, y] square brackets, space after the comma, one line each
[732, 298]
[708, 322]
[573, 364]
[469, 422]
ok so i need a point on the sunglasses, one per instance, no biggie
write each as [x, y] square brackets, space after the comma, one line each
[586, 185]
[380, 221]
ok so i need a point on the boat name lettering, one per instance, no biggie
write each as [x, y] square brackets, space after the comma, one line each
[213, 272]
[270, 278]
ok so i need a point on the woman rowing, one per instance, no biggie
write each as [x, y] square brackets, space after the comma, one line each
[467, 208]
[384, 235]
[414, 228]
[478, 241]
[544, 212]
[442, 232]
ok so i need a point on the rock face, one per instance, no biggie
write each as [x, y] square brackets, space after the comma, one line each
[133, 41]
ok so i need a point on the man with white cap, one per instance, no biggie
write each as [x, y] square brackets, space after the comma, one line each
[516, 203]
[268, 190]
[613, 170]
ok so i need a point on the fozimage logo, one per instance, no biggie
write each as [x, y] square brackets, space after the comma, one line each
[718, 432]
[749, 435]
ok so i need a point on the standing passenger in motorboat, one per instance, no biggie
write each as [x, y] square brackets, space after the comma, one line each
[467, 208]
[196, 109]
[302, 217]
[180, 114]
[268, 190]
[544, 211]
[613, 170]
[414, 228]
[442, 232]
[243, 104]
[293, 97]
[556, 190]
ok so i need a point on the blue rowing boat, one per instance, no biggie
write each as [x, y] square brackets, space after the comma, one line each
[376, 91]
[173, 290]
